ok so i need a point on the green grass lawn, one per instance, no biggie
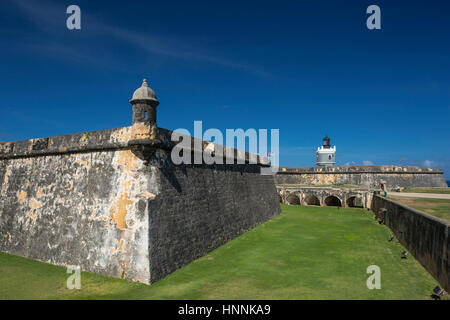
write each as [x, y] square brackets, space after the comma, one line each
[436, 207]
[428, 190]
[306, 253]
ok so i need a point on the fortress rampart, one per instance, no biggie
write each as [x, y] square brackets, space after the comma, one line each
[425, 236]
[368, 177]
[324, 196]
[112, 201]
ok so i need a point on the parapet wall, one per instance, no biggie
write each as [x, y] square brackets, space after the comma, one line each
[425, 236]
[200, 207]
[368, 177]
[112, 202]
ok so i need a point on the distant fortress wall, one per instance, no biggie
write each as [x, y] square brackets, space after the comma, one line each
[112, 202]
[364, 176]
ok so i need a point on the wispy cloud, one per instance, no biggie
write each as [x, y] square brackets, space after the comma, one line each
[49, 18]
[44, 15]
[422, 163]
[177, 49]
[441, 163]
[429, 163]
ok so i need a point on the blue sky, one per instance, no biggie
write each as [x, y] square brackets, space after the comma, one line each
[308, 68]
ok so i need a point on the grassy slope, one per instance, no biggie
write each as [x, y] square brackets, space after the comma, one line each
[437, 207]
[428, 190]
[306, 253]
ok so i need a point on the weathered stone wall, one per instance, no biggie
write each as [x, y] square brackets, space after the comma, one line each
[112, 202]
[365, 176]
[84, 209]
[200, 207]
[305, 195]
[78, 200]
[425, 236]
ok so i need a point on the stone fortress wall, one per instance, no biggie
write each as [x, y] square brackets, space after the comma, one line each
[369, 177]
[324, 196]
[112, 201]
[425, 236]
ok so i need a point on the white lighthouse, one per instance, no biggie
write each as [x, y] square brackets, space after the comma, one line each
[325, 154]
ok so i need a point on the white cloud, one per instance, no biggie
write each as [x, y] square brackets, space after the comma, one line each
[367, 163]
[429, 164]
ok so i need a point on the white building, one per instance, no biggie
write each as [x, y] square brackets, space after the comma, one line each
[325, 154]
